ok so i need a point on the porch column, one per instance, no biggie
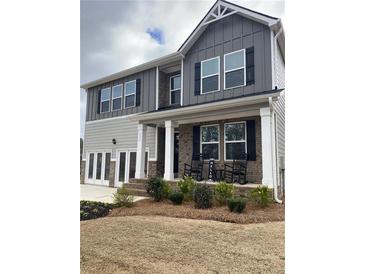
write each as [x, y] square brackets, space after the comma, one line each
[267, 156]
[141, 148]
[169, 151]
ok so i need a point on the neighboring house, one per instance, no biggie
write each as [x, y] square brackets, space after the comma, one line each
[220, 94]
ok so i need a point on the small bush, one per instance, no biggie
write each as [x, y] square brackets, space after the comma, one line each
[222, 192]
[176, 198]
[157, 188]
[122, 198]
[187, 186]
[261, 196]
[236, 204]
[93, 210]
[203, 196]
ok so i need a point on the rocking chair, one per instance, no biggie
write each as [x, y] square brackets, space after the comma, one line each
[195, 169]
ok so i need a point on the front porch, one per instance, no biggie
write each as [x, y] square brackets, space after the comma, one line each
[177, 141]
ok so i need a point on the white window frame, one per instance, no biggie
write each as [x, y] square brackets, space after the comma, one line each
[121, 96]
[203, 77]
[101, 100]
[207, 143]
[230, 70]
[171, 90]
[125, 96]
[235, 141]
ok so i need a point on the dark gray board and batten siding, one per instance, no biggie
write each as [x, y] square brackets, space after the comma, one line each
[148, 93]
[227, 35]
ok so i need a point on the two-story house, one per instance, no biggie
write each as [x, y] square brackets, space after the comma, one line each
[221, 94]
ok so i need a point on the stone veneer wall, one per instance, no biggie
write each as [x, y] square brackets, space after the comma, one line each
[112, 173]
[152, 168]
[82, 172]
[254, 168]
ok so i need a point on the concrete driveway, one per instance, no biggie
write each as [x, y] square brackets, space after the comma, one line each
[100, 193]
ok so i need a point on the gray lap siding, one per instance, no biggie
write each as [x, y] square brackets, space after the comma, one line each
[254, 168]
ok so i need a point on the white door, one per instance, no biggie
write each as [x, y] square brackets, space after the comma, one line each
[126, 166]
[121, 174]
[98, 167]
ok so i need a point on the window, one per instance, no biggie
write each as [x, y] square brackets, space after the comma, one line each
[209, 136]
[117, 97]
[175, 87]
[234, 69]
[130, 94]
[210, 75]
[132, 164]
[107, 166]
[91, 166]
[122, 161]
[98, 165]
[105, 100]
[235, 140]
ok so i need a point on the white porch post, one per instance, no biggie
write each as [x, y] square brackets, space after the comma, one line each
[169, 151]
[267, 162]
[141, 148]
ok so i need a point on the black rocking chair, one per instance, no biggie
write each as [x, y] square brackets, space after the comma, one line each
[236, 172]
[195, 169]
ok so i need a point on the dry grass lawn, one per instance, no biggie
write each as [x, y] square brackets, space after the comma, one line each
[155, 244]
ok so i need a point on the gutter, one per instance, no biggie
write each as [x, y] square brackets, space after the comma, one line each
[274, 158]
[175, 113]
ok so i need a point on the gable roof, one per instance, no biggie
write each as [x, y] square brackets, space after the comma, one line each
[222, 9]
[219, 10]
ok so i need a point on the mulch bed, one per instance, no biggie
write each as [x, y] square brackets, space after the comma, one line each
[252, 213]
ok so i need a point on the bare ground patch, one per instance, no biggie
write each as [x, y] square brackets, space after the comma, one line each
[154, 244]
[252, 214]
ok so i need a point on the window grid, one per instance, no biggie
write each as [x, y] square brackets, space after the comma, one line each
[235, 69]
[176, 89]
[210, 75]
[105, 100]
[212, 142]
[132, 94]
[234, 141]
[114, 98]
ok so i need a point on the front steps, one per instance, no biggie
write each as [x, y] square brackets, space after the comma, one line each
[136, 187]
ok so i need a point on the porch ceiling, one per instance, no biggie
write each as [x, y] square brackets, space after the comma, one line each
[227, 109]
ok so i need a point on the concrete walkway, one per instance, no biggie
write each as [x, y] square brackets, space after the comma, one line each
[100, 193]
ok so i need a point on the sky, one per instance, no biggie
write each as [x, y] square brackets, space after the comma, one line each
[116, 35]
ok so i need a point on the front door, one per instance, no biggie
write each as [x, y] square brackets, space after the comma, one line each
[176, 153]
[126, 166]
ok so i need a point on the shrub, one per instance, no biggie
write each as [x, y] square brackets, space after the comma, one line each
[260, 195]
[222, 192]
[203, 196]
[93, 210]
[187, 186]
[176, 198]
[236, 204]
[157, 188]
[122, 198]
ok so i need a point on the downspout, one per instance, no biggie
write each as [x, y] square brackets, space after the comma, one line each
[274, 158]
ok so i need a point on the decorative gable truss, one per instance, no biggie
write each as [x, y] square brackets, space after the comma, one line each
[220, 11]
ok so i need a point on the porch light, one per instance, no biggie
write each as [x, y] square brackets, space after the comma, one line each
[114, 141]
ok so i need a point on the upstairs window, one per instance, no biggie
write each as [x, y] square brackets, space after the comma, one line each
[235, 140]
[117, 97]
[130, 94]
[210, 75]
[105, 100]
[175, 89]
[209, 136]
[234, 69]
